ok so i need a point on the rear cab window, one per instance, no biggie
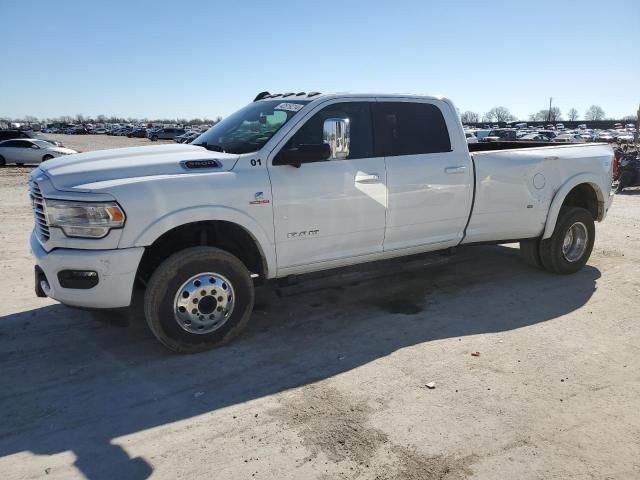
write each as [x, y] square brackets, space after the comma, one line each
[409, 128]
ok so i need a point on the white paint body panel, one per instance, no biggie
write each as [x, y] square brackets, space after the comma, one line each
[507, 203]
[416, 205]
[430, 194]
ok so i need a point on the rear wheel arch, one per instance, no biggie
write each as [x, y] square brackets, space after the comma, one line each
[583, 192]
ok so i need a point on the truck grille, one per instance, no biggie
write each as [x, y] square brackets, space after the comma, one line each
[41, 224]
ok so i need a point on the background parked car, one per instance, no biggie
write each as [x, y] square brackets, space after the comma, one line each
[471, 138]
[10, 134]
[166, 134]
[29, 150]
[548, 135]
[137, 133]
[187, 137]
[123, 132]
[624, 137]
[533, 137]
[501, 134]
[604, 137]
[569, 138]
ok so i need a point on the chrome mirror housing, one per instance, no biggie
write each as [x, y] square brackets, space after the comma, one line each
[336, 133]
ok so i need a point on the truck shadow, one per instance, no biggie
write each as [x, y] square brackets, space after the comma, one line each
[70, 383]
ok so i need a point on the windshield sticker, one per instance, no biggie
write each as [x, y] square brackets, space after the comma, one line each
[289, 107]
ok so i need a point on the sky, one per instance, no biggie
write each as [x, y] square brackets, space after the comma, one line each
[194, 59]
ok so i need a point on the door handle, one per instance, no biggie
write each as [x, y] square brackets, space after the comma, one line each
[366, 178]
[458, 169]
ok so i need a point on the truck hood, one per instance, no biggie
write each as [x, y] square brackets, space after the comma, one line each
[75, 172]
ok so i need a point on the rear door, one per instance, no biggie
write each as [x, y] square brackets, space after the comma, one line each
[429, 173]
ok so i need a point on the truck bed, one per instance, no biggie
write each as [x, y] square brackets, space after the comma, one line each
[514, 188]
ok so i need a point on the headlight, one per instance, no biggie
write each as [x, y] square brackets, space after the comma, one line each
[84, 219]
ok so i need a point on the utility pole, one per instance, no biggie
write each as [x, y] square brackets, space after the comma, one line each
[549, 112]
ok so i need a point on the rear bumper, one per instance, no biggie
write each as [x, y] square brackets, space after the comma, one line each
[116, 271]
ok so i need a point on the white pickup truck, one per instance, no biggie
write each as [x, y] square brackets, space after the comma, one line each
[292, 184]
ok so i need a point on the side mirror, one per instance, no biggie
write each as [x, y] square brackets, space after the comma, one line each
[305, 153]
[336, 133]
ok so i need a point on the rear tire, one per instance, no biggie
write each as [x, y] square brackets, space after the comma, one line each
[208, 282]
[154, 138]
[3, 162]
[570, 246]
[530, 252]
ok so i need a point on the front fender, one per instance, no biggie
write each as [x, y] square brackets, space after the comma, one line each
[211, 213]
[561, 194]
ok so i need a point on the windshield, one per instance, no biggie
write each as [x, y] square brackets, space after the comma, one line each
[250, 128]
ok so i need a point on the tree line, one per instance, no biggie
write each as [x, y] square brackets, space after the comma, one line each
[502, 114]
[496, 114]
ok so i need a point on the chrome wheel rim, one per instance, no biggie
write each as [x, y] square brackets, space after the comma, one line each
[204, 303]
[575, 242]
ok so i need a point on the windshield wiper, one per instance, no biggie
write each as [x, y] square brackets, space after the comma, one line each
[212, 147]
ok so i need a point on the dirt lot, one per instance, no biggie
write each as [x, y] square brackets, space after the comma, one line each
[86, 143]
[329, 380]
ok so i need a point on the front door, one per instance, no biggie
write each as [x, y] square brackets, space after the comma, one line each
[330, 210]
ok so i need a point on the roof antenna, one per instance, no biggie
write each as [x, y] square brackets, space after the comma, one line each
[261, 95]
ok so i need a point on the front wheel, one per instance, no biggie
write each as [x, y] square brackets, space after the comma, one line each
[154, 138]
[570, 246]
[47, 157]
[3, 162]
[198, 299]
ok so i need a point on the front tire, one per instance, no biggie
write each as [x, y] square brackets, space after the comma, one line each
[3, 162]
[47, 157]
[154, 138]
[198, 299]
[570, 246]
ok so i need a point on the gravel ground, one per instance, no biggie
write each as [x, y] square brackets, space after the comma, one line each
[86, 143]
[329, 381]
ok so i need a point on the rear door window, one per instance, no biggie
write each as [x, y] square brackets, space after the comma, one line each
[404, 128]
